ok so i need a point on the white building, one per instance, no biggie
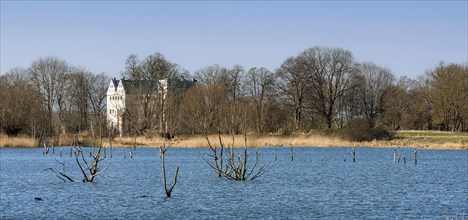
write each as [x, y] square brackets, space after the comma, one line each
[122, 93]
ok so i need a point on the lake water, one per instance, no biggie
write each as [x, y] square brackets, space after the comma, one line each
[318, 183]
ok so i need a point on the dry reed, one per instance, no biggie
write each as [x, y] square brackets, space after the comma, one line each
[253, 140]
[19, 141]
[268, 140]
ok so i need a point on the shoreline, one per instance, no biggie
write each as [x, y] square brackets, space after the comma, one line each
[430, 140]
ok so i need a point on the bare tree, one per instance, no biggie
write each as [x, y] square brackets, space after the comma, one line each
[420, 113]
[233, 81]
[351, 102]
[20, 108]
[212, 75]
[173, 112]
[48, 75]
[132, 68]
[76, 100]
[293, 83]
[329, 72]
[156, 67]
[376, 92]
[260, 86]
[401, 102]
[96, 93]
[151, 77]
[202, 106]
[447, 90]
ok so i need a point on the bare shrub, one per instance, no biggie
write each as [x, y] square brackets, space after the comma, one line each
[90, 169]
[233, 165]
[361, 130]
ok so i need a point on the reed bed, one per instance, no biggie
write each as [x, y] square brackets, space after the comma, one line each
[297, 140]
[405, 139]
[19, 141]
[253, 140]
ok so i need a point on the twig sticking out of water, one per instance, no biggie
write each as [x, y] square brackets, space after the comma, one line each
[292, 153]
[415, 157]
[162, 151]
[131, 152]
[46, 150]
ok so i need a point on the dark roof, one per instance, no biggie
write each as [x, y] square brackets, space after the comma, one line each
[138, 86]
[181, 83]
[116, 83]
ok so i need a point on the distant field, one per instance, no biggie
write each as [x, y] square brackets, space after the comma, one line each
[440, 137]
[431, 134]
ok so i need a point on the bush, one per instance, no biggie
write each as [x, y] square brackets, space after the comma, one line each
[381, 133]
[361, 130]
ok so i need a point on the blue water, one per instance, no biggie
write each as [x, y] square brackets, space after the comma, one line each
[317, 184]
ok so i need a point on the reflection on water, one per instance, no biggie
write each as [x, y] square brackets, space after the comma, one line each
[317, 184]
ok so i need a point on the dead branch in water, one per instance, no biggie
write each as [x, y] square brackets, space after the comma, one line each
[162, 150]
[90, 170]
[61, 175]
[217, 165]
[235, 165]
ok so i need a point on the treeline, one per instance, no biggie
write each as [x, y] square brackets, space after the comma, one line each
[50, 98]
[325, 89]
[318, 89]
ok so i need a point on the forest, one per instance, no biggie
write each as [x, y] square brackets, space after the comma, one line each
[320, 89]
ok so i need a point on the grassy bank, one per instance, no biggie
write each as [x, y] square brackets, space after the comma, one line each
[404, 139]
[433, 139]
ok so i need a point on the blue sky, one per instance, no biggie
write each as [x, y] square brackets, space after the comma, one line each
[407, 37]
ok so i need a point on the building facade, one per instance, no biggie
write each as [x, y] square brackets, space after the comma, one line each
[124, 94]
